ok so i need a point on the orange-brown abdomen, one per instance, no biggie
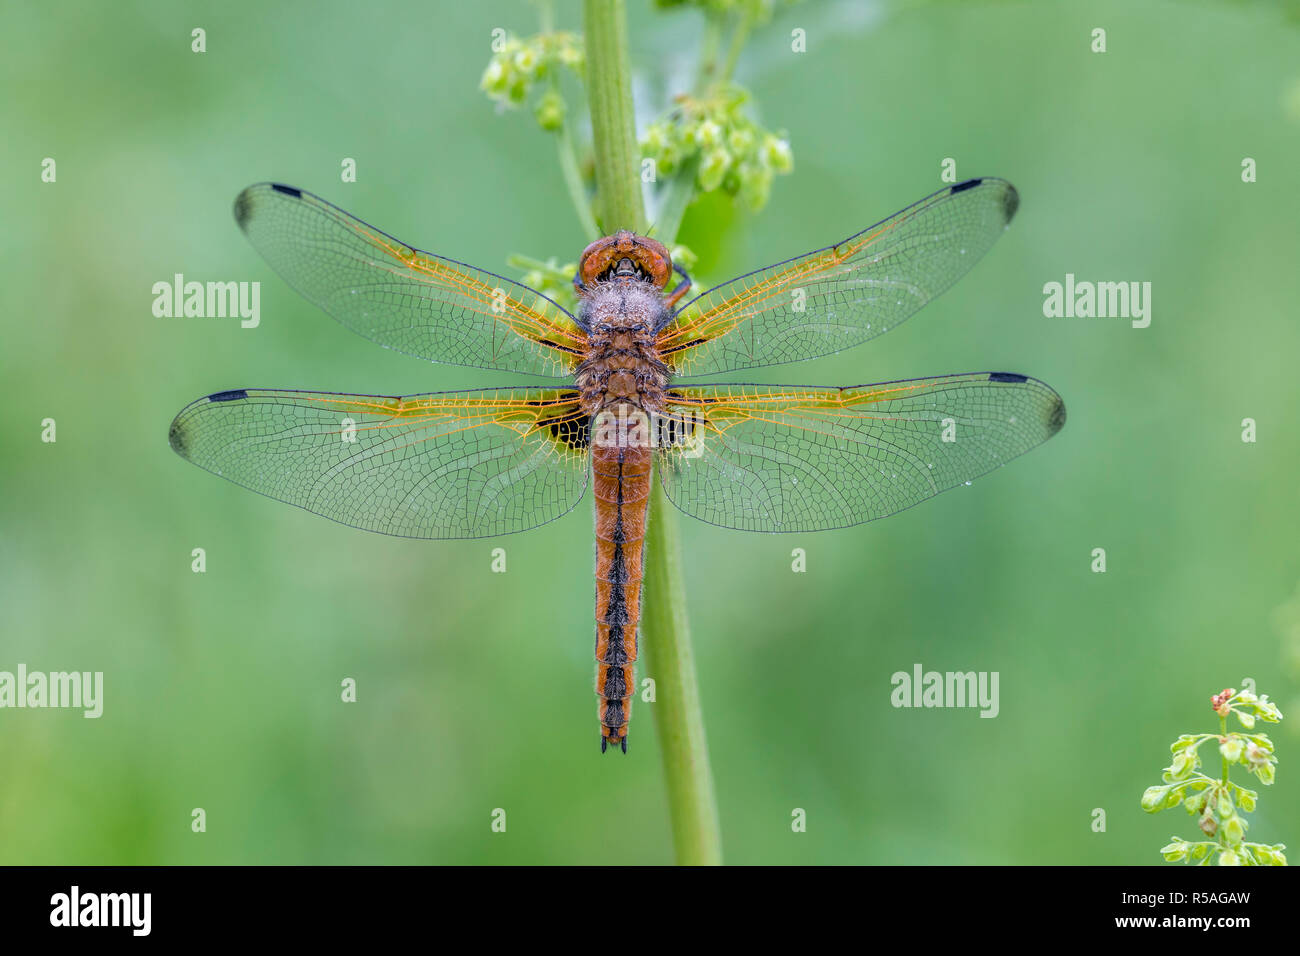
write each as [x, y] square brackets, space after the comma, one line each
[621, 477]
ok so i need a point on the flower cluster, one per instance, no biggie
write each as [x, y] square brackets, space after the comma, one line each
[1215, 802]
[520, 65]
[732, 152]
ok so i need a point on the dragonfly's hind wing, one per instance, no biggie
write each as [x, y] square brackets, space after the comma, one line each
[800, 458]
[443, 465]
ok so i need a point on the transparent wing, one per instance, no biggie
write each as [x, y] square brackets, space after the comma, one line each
[796, 458]
[443, 465]
[845, 294]
[404, 299]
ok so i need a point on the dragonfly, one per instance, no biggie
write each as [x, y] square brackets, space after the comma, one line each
[621, 402]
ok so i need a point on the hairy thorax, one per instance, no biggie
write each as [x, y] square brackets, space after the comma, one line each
[622, 318]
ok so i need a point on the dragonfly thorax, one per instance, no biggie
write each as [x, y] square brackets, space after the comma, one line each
[622, 317]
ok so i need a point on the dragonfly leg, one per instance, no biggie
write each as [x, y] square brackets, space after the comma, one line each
[579, 286]
[682, 288]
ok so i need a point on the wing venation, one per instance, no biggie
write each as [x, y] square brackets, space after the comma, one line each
[443, 465]
[797, 458]
[401, 297]
[846, 294]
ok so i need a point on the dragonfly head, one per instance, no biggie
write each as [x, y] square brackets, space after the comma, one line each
[628, 257]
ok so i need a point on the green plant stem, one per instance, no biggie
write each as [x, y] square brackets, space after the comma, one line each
[697, 838]
[711, 39]
[1223, 732]
[613, 123]
[1219, 835]
[738, 38]
[666, 635]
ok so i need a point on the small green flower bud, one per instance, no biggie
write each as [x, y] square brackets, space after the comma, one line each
[494, 81]
[1228, 858]
[1173, 852]
[731, 182]
[1180, 765]
[755, 185]
[740, 141]
[778, 155]
[571, 55]
[1153, 798]
[707, 134]
[1231, 749]
[1247, 720]
[1234, 828]
[525, 60]
[670, 157]
[550, 111]
[712, 169]
[652, 143]
[1254, 752]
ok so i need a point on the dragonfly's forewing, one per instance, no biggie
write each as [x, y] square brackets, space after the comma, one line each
[799, 458]
[442, 465]
[404, 299]
[843, 295]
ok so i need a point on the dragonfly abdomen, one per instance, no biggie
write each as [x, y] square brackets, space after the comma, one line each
[621, 482]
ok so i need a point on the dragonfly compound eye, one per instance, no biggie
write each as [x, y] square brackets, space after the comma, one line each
[624, 254]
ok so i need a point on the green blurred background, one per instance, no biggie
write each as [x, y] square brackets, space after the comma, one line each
[222, 688]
